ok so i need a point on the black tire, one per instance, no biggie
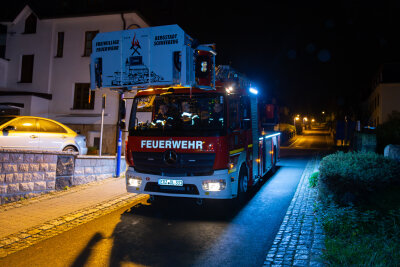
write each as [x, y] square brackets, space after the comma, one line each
[243, 185]
[70, 149]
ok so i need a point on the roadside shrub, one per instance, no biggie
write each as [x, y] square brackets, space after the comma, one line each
[359, 178]
[313, 179]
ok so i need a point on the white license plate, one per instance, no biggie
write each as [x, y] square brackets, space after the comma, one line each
[170, 182]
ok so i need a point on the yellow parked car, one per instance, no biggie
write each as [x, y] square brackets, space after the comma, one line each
[35, 133]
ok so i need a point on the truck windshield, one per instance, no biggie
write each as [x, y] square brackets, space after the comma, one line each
[178, 115]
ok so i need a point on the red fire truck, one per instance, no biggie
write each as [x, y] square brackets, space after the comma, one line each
[190, 142]
[196, 131]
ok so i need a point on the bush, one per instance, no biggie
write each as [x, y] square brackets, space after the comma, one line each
[313, 179]
[358, 177]
[388, 132]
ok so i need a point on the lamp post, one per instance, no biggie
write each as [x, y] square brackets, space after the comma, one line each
[294, 123]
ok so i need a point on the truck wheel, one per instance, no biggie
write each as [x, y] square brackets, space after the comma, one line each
[243, 185]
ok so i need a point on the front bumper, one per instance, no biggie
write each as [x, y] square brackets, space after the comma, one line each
[192, 185]
[83, 150]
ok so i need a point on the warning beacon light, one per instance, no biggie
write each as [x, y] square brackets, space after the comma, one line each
[253, 91]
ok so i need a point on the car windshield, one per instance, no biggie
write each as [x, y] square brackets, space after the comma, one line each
[4, 120]
[178, 115]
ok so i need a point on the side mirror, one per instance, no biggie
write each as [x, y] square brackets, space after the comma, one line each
[9, 128]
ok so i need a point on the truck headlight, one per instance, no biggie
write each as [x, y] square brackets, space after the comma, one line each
[214, 185]
[135, 181]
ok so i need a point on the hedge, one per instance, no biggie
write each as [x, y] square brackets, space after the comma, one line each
[358, 177]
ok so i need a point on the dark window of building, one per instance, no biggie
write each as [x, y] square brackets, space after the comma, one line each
[50, 127]
[60, 44]
[96, 142]
[30, 24]
[89, 36]
[27, 68]
[3, 38]
[83, 97]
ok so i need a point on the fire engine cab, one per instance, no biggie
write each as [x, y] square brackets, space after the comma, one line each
[194, 129]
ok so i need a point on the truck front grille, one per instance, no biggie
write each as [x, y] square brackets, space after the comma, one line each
[188, 189]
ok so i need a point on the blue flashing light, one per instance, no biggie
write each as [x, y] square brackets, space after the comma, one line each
[253, 91]
[272, 135]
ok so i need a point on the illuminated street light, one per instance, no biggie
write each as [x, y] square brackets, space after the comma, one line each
[323, 112]
[312, 120]
[295, 119]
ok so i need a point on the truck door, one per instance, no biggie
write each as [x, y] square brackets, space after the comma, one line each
[245, 129]
[235, 141]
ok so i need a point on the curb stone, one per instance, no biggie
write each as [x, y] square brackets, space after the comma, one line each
[31, 236]
[300, 238]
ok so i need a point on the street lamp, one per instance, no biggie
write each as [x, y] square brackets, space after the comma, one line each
[295, 119]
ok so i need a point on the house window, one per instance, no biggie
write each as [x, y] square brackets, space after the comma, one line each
[30, 24]
[27, 69]
[89, 36]
[83, 97]
[3, 36]
[60, 44]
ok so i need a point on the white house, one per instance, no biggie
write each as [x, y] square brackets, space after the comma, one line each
[385, 97]
[45, 70]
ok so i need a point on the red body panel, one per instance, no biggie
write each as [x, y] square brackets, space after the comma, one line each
[217, 145]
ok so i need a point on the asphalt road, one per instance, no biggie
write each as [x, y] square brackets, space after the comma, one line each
[176, 233]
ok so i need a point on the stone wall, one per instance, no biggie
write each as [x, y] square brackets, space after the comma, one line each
[24, 174]
[94, 168]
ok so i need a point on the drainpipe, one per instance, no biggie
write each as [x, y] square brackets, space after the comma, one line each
[123, 21]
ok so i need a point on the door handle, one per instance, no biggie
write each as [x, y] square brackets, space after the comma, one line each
[33, 136]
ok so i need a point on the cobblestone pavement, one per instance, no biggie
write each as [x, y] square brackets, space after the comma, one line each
[300, 239]
[52, 227]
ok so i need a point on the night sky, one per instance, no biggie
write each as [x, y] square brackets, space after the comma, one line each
[309, 55]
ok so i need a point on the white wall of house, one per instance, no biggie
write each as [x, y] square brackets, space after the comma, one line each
[387, 98]
[375, 106]
[38, 44]
[57, 76]
[3, 72]
[32, 104]
[74, 68]
[390, 95]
